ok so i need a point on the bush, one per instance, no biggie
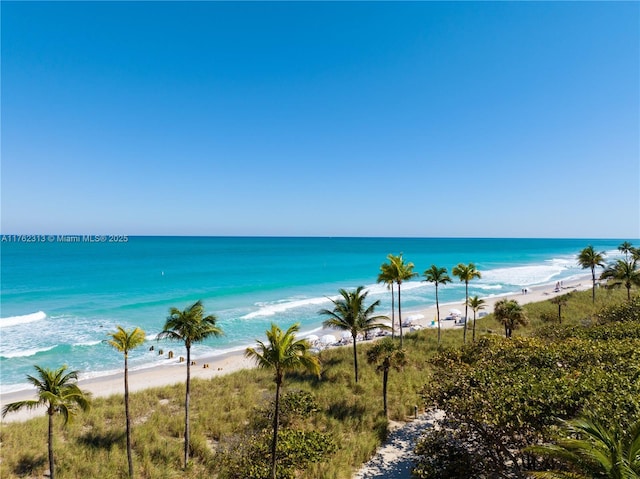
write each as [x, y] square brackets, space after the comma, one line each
[444, 454]
[296, 450]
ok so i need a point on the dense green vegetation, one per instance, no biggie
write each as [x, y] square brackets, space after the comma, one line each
[500, 395]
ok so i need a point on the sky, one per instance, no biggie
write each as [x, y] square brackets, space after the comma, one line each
[418, 119]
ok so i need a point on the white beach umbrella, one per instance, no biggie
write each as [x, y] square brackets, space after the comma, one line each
[415, 317]
[455, 312]
[312, 338]
[328, 339]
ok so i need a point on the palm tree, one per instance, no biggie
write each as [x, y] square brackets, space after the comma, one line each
[437, 276]
[283, 353]
[189, 326]
[475, 304]
[510, 314]
[387, 277]
[560, 301]
[592, 450]
[386, 354]
[623, 273]
[59, 393]
[626, 248]
[466, 273]
[124, 341]
[351, 314]
[401, 272]
[589, 258]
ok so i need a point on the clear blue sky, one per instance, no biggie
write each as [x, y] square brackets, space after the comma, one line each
[516, 119]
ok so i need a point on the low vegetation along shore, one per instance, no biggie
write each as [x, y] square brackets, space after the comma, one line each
[510, 389]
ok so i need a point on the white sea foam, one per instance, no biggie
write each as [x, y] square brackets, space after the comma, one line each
[24, 353]
[272, 309]
[524, 275]
[24, 319]
[487, 287]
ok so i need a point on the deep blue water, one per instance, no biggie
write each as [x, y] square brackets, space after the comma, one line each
[59, 299]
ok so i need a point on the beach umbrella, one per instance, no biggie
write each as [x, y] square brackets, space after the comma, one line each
[455, 312]
[415, 317]
[312, 338]
[328, 339]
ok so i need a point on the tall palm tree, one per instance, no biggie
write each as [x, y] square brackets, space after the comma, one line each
[189, 326]
[387, 277]
[476, 304]
[623, 273]
[402, 271]
[510, 314]
[283, 353]
[386, 354]
[351, 314]
[589, 258]
[593, 450]
[437, 276]
[59, 393]
[124, 341]
[466, 273]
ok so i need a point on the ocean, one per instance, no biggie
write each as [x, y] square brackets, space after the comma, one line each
[60, 296]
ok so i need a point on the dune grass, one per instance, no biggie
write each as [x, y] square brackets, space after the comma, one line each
[223, 411]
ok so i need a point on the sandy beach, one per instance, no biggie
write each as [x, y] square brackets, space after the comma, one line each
[168, 374]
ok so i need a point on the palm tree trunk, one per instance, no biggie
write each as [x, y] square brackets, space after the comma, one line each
[186, 408]
[593, 289]
[385, 379]
[438, 313]
[276, 414]
[127, 415]
[400, 314]
[393, 314]
[466, 305]
[50, 445]
[355, 358]
[474, 326]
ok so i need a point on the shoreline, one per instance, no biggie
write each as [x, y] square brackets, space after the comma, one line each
[220, 364]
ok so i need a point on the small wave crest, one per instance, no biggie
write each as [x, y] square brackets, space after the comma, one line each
[24, 353]
[24, 319]
[487, 287]
[86, 343]
[280, 307]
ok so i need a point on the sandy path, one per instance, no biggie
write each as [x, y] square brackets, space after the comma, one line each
[395, 458]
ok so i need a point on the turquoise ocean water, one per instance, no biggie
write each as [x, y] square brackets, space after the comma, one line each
[59, 299]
